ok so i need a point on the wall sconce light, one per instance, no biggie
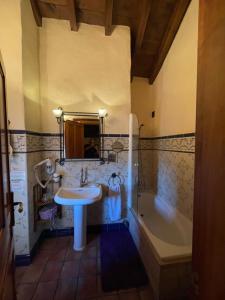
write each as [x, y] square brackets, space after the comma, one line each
[102, 112]
[58, 113]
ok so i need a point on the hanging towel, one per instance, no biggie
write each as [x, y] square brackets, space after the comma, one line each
[114, 199]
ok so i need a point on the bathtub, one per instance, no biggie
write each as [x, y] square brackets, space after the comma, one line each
[163, 237]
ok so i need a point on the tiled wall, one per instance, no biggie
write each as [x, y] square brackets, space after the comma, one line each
[24, 235]
[21, 230]
[30, 148]
[97, 213]
[167, 170]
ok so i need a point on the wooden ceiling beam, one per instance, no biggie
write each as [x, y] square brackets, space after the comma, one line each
[169, 35]
[108, 16]
[73, 18]
[145, 9]
[149, 47]
[55, 2]
[145, 12]
[36, 12]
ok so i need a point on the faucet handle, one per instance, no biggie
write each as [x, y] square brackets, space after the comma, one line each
[86, 174]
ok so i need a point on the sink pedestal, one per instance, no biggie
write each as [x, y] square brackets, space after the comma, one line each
[80, 227]
[79, 198]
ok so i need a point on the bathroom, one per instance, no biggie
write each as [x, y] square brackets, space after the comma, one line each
[126, 213]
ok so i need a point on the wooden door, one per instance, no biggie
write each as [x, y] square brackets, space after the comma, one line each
[79, 140]
[209, 200]
[74, 139]
[7, 285]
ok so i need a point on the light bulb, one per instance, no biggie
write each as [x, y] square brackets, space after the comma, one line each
[57, 112]
[102, 112]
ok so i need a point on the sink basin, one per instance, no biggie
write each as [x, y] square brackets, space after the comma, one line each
[79, 198]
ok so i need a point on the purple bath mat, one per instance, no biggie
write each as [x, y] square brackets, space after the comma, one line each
[121, 265]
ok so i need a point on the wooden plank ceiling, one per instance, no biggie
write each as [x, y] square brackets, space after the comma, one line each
[153, 24]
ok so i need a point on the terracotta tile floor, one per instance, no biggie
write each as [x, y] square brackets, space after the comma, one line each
[58, 272]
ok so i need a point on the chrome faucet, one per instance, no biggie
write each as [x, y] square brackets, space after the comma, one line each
[83, 177]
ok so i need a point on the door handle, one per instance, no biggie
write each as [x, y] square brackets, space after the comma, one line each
[10, 198]
[20, 206]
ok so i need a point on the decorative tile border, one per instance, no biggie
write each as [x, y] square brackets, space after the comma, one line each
[23, 141]
[24, 132]
[192, 134]
[175, 143]
[27, 142]
[115, 135]
[108, 141]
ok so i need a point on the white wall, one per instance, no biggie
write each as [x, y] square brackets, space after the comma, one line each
[173, 94]
[30, 68]
[142, 104]
[84, 71]
[11, 50]
[174, 91]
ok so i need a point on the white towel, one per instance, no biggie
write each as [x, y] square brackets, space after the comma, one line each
[114, 199]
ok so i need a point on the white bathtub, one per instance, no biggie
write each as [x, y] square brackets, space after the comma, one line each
[163, 237]
[168, 230]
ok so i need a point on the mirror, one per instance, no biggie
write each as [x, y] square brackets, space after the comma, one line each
[81, 136]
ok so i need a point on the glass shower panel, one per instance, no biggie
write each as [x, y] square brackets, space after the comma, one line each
[133, 162]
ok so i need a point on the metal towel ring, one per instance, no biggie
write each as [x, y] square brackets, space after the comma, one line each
[112, 178]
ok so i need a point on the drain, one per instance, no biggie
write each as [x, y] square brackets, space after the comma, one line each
[142, 215]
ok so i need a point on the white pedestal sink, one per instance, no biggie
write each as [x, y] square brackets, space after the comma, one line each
[79, 198]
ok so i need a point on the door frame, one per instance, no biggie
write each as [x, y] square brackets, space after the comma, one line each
[7, 260]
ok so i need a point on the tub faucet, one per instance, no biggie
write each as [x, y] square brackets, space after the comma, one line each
[83, 177]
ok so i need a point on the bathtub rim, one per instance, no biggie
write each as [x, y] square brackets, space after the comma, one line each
[161, 260]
